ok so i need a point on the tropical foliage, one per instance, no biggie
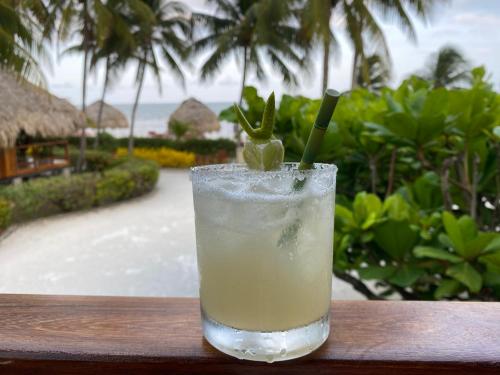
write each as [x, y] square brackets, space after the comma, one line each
[361, 26]
[160, 31]
[447, 68]
[5, 214]
[250, 30]
[165, 157]
[378, 77]
[112, 34]
[206, 147]
[41, 197]
[426, 161]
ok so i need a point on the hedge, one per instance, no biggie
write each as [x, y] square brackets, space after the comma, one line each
[95, 160]
[197, 146]
[51, 195]
[5, 214]
[165, 157]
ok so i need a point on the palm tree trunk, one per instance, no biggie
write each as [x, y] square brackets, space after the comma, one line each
[101, 106]
[142, 69]
[243, 81]
[326, 57]
[237, 129]
[83, 140]
[354, 71]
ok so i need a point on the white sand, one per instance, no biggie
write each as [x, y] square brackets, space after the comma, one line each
[144, 247]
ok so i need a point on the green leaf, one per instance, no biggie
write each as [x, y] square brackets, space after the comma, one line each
[468, 228]
[396, 238]
[341, 244]
[228, 115]
[493, 258]
[396, 207]
[435, 253]
[494, 244]
[453, 231]
[344, 215]
[370, 220]
[445, 240]
[447, 288]
[427, 191]
[402, 125]
[479, 244]
[467, 275]
[367, 237]
[435, 102]
[491, 278]
[406, 275]
[429, 128]
[376, 272]
[365, 207]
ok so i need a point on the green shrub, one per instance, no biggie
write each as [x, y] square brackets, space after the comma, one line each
[207, 146]
[95, 160]
[198, 146]
[65, 194]
[98, 161]
[145, 174]
[132, 177]
[5, 214]
[439, 151]
[51, 195]
[416, 254]
[178, 128]
[115, 185]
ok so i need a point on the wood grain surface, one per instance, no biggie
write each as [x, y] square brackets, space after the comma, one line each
[124, 335]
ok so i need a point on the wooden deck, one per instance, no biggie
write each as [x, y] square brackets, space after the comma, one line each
[122, 335]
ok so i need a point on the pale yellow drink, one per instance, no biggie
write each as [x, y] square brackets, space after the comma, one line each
[264, 247]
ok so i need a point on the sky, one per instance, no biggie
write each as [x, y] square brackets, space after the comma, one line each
[473, 26]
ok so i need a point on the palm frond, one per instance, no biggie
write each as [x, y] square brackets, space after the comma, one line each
[287, 75]
[174, 66]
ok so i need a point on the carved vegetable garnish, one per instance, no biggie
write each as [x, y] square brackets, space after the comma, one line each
[262, 151]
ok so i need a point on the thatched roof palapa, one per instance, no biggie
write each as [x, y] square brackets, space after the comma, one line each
[24, 106]
[111, 117]
[197, 116]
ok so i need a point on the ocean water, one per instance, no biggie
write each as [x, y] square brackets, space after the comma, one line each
[153, 117]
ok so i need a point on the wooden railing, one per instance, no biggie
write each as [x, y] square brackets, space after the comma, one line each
[124, 335]
[42, 157]
[32, 159]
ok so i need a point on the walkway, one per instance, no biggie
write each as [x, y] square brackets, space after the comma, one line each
[145, 247]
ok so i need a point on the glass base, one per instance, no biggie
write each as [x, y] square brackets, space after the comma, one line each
[266, 346]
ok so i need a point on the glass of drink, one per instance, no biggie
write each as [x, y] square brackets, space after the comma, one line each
[264, 245]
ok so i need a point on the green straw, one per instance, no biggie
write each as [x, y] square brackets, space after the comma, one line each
[330, 100]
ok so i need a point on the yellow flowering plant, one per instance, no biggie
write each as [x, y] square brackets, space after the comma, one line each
[165, 157]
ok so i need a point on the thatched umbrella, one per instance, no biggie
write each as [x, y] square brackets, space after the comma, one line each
[111, 117]
[24, 106]
[196, 116]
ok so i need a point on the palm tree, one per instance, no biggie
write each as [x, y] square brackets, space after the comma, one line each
[378, 73]
[251, 31]
[20, 41]
[114, 43]
[447, 68]
[360, 25]
[66, 18]
[158, 28]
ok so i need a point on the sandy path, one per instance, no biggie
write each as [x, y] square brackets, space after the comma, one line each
[144, 247]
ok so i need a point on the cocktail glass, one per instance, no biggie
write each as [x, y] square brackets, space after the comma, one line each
[264, 246]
